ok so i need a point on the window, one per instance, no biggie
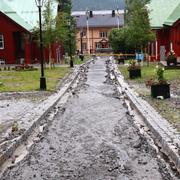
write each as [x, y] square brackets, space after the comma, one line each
[103, 34]
[1, 41]
[84, 46]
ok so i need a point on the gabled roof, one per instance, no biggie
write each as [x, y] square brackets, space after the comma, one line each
[8, 11]
[175, 15]
[81, 5]
[24, 12]
[99, 20]
[28, 10]
[160, 10]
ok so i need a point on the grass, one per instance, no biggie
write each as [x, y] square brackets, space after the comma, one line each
[17, 81]
[148, 72]
[77, 61]
[168, 107]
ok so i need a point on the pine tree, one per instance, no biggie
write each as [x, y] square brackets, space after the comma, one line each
[64, 30]
[138, 24]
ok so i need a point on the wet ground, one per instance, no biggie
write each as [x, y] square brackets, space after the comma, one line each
[13, 106]
[91, 138]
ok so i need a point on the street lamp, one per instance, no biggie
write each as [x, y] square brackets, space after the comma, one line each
[70, 44]
[81, 56]
[118, 14]
[39, 4]
[81, 35]
[87, 22]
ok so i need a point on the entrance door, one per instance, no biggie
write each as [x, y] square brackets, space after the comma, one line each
[19, 46]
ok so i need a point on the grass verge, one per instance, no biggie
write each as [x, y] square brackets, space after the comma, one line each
[168, 108]
[17, 81]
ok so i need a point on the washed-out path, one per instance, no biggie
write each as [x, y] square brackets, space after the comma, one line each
[92, 138]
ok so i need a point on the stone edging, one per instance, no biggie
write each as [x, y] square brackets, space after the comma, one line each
[167, 138]
[36, 115]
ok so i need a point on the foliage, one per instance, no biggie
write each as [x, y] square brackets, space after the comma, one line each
[64, 6]
[133, 65]
[137, 21]
[65, 25]
[48, 27]
[117, 39]
[160, 74]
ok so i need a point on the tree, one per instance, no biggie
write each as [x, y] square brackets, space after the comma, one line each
[138, 24]
[64, 30]
[117, 40]
[64, 6]
[49, 35]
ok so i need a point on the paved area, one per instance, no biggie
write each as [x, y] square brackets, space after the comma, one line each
[91, 138]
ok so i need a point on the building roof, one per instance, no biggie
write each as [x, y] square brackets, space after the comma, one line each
[28, 10]
[99, 20]
[8, 11]
[24, 12]
[82, 5]
[174, 16]
[160, 11]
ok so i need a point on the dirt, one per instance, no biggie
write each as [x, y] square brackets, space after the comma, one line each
[92, 138]
[168, 108]
[13, 106]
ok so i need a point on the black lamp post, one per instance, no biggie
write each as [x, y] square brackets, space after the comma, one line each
[39, 4]
[81, 35]
[70, 44]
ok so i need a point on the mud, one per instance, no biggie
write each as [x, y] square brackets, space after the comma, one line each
[91, 138]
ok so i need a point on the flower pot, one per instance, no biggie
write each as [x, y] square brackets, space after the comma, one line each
[160, 90]
[134, 73]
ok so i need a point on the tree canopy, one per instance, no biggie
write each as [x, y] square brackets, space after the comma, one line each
[137, 31]
[137, 21]
[65, 24]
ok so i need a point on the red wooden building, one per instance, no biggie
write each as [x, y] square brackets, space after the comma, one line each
[165, 22]
[16, 43]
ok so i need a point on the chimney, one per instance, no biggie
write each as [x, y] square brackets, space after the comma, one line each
[113, 13]
[91, 14]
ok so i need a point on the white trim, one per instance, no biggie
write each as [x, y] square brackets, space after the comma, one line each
[171, 46]
[156, 50]
[103, 12]
[2, 41]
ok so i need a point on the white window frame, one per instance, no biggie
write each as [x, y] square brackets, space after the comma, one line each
[2, 41]
[103, 34]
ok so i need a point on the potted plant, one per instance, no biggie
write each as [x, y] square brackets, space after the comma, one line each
[160, 87]
[134, 69]
[171, 59]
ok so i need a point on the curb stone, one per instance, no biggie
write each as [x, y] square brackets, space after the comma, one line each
[165, 136]
[37, 114]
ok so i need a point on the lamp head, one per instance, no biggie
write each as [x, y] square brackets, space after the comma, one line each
[39, 3]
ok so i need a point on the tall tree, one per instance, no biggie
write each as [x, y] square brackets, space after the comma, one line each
[117, 39]
[137, 21]
[48, 27]
[65, 25]
[64, 6]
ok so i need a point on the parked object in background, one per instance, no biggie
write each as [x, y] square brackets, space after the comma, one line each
[171, 59]
[134, 69]
[160, 87]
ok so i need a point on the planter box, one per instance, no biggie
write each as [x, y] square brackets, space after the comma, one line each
[134, 73]
[160, 90]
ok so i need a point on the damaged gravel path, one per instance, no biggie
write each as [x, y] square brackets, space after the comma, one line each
[93, 138]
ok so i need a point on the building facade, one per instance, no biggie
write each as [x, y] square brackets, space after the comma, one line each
[93, 29]
[17, 20]
[165, 22]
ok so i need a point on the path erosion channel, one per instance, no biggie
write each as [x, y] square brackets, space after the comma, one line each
[91, 138]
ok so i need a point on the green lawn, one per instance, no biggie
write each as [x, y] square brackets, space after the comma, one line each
[168, 107]
[148, 72]
[29, 80]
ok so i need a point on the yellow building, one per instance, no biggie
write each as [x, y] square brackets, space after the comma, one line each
[93, 29]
